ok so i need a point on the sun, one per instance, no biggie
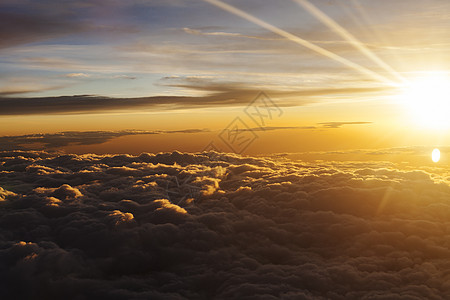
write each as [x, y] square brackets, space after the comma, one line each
[427, 97]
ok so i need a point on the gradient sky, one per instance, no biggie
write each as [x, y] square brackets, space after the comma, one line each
[224, 149]
[184, 70]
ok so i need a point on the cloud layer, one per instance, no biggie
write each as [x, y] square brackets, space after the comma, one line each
[217, 226]
[222, 95]
[71, 138]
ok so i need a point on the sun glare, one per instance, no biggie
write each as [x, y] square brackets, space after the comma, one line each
[436, 155]
[428, 99]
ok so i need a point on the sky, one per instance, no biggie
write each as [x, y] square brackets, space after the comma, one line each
[335, 75]
[207, 149]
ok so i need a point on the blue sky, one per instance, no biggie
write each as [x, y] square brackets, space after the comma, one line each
[111, 48]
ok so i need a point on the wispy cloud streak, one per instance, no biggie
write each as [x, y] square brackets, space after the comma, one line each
[300, 41]
[313, 10]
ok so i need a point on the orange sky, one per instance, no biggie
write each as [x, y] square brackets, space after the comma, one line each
[339, 76]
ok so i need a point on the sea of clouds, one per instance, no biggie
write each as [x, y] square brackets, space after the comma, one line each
[219, 226]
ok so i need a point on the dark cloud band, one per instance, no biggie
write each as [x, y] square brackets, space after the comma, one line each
[70, 138]
[219, 96]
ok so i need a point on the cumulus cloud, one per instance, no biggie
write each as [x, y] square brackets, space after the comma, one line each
[4, 194]
[219, 226]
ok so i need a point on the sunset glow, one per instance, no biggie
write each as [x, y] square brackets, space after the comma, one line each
[224, 149]
[427, 98]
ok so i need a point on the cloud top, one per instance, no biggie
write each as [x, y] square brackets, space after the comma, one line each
[219, 226]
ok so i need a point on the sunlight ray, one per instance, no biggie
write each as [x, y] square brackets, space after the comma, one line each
[369, 24]
[384, 201]
[300, 41]
[333, 25]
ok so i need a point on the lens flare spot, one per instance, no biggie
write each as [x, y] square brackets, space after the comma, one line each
[436, 155]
